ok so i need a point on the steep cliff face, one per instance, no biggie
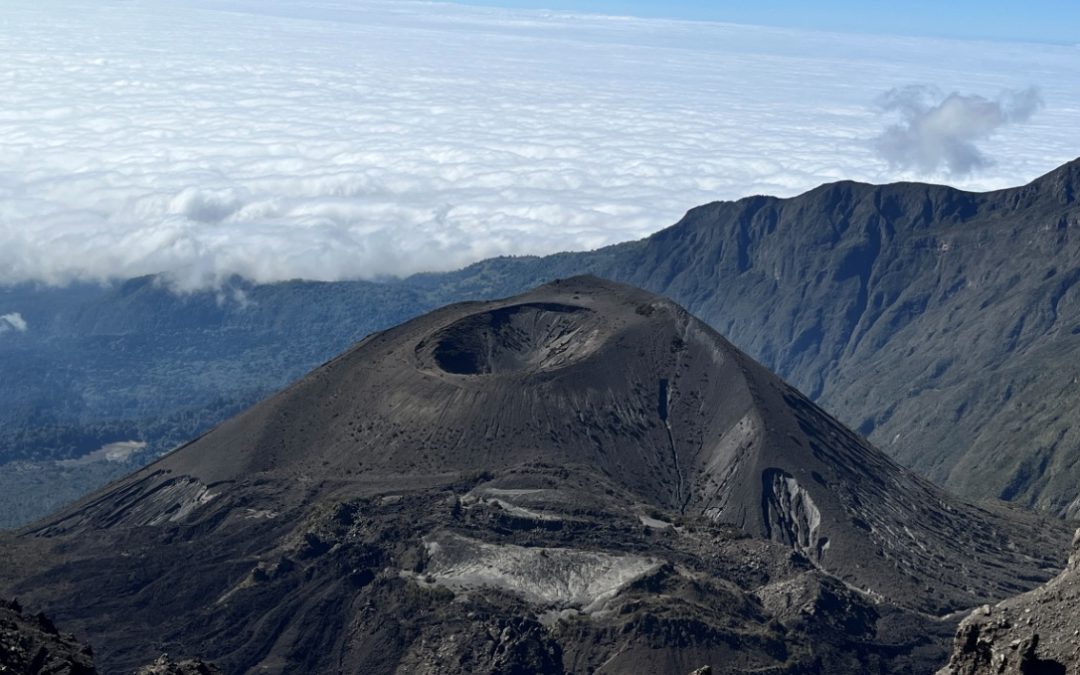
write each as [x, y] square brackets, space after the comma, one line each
[583, 477]
[1037, 633]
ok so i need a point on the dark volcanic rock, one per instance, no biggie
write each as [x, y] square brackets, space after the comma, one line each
[1037, 633]
[166, 666]
[583, 478]
[31, 645]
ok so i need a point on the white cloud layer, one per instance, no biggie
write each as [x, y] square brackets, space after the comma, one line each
[12, 322]
[292, 138]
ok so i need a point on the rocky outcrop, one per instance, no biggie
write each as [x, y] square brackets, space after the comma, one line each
[31, 645]
[792, 516]
[1037, 633]
[166, 666]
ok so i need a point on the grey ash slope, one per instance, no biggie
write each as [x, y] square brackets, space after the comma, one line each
[562, 430]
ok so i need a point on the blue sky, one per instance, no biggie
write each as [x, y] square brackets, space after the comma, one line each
[1056, 21]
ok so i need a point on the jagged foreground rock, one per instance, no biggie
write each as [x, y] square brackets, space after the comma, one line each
[1037, 633]
[30, 645]
[583, 478]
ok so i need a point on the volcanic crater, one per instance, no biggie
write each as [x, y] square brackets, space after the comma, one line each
[515, 340]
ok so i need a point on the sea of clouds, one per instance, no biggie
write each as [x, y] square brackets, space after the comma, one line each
[335, 139]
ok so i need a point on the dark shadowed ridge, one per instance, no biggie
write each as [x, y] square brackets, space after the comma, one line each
[577, 469]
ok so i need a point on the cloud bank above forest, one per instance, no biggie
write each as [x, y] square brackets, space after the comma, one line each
[282, 139]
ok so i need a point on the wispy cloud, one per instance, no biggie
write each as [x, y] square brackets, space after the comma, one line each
[12, 322]
[938, 131]
[283, 138]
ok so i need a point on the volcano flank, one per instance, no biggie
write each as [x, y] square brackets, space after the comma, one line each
[582, 478]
